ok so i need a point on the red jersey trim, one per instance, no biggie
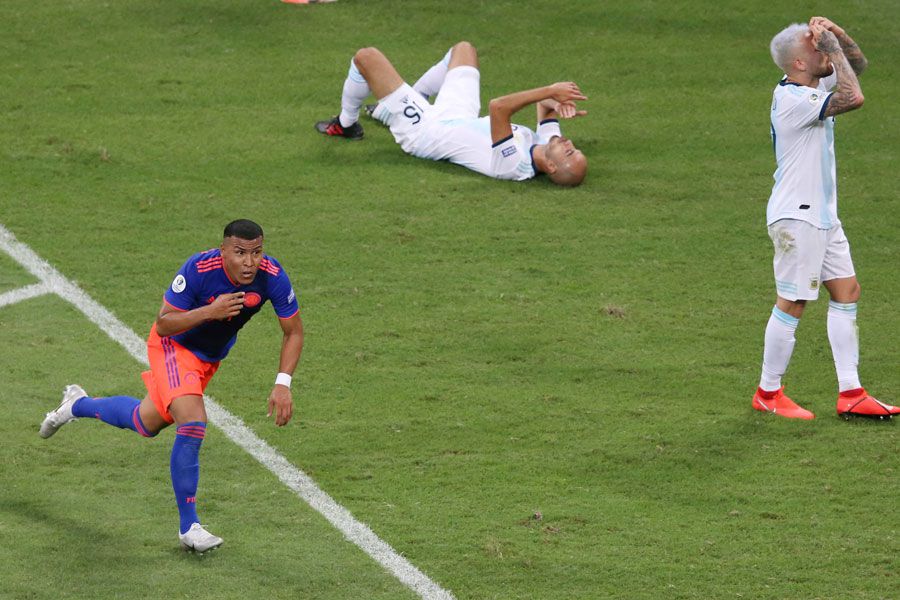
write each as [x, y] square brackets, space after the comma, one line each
[295, 313]
[167, 303]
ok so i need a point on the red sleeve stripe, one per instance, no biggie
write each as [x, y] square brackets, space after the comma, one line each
[208, 265]
[267, 266]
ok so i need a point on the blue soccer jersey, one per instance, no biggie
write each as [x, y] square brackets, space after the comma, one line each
[202, 279]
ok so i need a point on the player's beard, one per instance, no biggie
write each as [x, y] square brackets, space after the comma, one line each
[825, 71]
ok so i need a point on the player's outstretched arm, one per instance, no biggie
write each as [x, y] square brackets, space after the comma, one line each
[847, 95]
[280, 399]
[855, 57]
[503, 108]
[170, 320]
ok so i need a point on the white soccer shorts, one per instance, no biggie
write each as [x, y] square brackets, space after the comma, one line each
[805, 256]
[417, 125]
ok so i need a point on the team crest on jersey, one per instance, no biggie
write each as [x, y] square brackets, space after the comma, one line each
[813, 98]
[814, 283]
[179, 284]
[252, 299]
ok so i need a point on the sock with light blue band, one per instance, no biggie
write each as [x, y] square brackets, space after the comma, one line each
[844, 338]
[785, 318]
[355, 92]
[779, 347]
[430, 83]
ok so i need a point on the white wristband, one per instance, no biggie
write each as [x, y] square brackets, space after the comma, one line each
[283, 379]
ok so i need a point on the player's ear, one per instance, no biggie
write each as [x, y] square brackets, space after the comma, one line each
[550, 167]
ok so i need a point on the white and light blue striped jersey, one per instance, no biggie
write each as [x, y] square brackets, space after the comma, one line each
[803, 138]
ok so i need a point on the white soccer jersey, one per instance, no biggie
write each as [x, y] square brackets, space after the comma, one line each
[450, 129]
[803, 138]
[509, 158]
[467, 142]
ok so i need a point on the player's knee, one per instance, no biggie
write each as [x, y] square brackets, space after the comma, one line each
[463, 53]
[366, 56]
[464, 47]
[855, 292]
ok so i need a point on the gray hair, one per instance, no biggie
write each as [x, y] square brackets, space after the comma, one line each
[784, 44]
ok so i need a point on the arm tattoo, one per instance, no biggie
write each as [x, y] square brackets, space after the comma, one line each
[854, 55]
[827, 43]
[847, 95]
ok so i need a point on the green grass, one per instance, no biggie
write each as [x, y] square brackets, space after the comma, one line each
[477, 351]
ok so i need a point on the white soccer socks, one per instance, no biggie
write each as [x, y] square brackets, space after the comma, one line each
[356, 90]
[844, 338]
[430, 83]
[779, 346]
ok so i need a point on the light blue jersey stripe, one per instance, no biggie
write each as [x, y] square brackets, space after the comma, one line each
[827, 179]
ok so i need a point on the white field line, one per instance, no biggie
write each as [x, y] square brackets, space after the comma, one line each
[24, 293]
[52, 281]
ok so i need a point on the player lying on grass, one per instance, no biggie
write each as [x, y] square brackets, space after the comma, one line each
[213, 295]
[820, 62]
[450, 128]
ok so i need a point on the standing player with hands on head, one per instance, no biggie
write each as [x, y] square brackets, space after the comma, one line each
[211, 298]
[821, 63]
[450, 128]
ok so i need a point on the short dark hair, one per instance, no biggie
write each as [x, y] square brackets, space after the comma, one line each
[243, 229]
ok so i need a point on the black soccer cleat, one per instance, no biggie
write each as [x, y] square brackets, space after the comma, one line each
[333, 128]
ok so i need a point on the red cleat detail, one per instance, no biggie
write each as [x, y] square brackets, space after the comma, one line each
[779, 404]
[859, 402]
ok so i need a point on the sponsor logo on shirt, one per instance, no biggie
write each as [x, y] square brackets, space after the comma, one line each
[508, 151]
[179, 284]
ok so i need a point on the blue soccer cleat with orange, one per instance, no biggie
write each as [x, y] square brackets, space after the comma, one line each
[778, 404]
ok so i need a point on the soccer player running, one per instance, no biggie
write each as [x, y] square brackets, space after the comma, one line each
[450, 129]
[213, 295]
[810, 246]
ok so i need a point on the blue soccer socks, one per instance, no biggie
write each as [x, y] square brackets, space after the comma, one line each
[120, 411]
[185, 470]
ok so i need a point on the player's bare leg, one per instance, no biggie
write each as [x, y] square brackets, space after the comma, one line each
[370, 73]
[378, 71]
[463, 54]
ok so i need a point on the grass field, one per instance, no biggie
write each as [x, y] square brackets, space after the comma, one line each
[478, 352]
